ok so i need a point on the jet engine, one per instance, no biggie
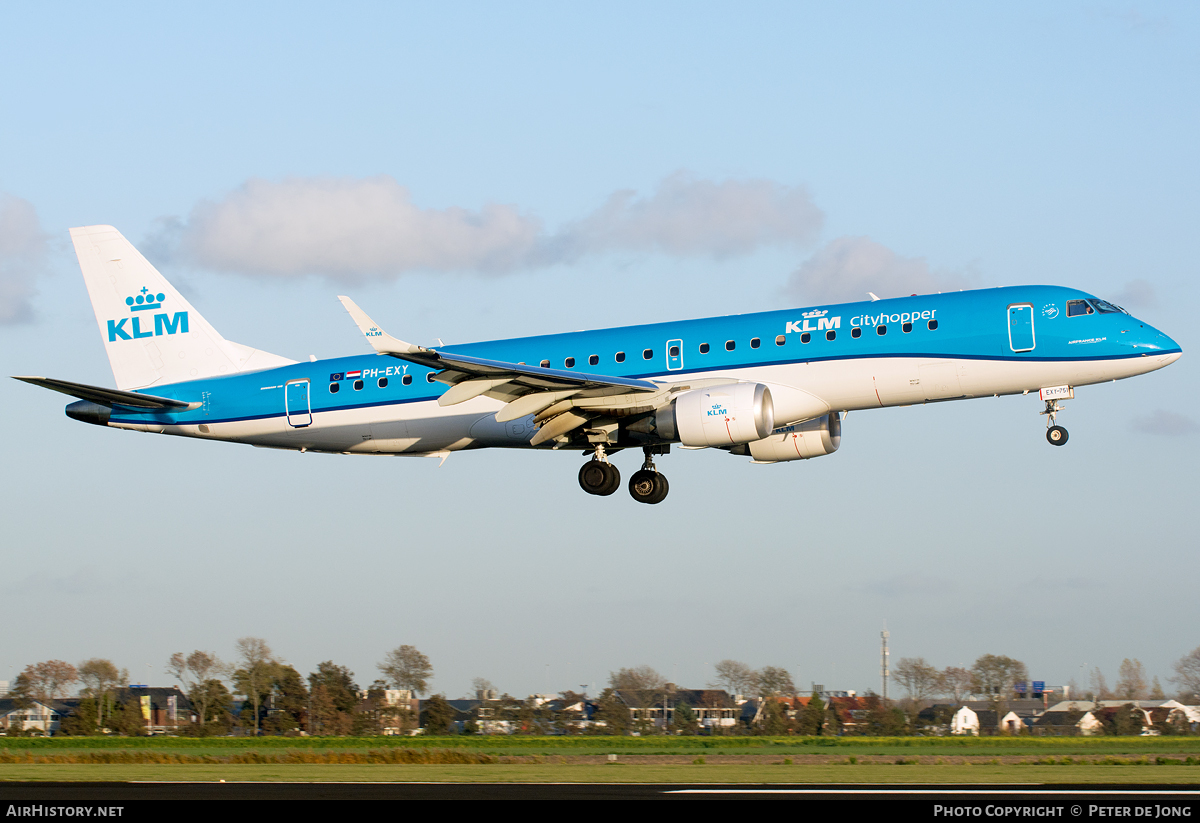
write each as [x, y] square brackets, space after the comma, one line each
[813, 438]
[718, 415]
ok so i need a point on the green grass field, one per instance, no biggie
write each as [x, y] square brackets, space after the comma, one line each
[1160, 760]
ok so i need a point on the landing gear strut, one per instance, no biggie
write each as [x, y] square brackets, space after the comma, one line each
[598, 476]
[647, 485]
[1056, 435]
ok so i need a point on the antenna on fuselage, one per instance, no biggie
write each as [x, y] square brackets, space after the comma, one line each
[873, 296]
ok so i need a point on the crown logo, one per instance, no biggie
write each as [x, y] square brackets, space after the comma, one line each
[145, 300]
[816, 313]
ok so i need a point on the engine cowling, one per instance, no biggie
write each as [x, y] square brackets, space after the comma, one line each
[801, 441]
[719, 416]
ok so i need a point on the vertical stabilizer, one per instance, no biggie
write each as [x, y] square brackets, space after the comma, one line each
[153, 336]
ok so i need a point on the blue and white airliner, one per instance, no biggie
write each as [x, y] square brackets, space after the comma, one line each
[772, 386]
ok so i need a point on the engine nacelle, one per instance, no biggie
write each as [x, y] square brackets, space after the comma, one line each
[813, 438]
[719, 416]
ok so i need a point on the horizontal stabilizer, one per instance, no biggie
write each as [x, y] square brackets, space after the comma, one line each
[109, 397]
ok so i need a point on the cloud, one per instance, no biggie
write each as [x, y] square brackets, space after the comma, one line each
[23, 250]
[1162, 422]
[849, 267]
[350, 228]
[690, 217]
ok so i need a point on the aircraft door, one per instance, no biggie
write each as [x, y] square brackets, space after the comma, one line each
[1020, 327]
[295, 398]
[674, 355]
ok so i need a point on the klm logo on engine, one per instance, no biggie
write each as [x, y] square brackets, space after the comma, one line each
[164, 322]
[822, 322]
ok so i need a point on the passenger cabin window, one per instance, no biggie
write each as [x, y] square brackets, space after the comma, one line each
[569, 362]
[704, 348]
[593, 359]
[545, 364]
[856, 332]
[406, 379]
[358, 384]
[730, 345]
[620, 357]
[429, 377]
[881, 330]
[334, 388]
[1078, 308]
[383, 382]
[907, 327]
[933, 325]
[831, 335]
[780, 340]
[647, 354]
[805, 337]
[674, 352]
[755, 342]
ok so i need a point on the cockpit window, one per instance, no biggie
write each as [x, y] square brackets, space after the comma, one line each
[1077, 308]
[1105, 307]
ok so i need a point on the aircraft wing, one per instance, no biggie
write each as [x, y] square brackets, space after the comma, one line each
[109, 397]
[561, 400]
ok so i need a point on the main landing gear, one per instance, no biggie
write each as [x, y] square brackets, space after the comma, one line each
[647, 485]
[599, 477]
[1056, 435]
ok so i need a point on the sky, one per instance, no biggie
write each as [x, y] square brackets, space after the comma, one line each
[471, 171]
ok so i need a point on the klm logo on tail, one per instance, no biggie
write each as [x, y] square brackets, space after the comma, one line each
[164, 323]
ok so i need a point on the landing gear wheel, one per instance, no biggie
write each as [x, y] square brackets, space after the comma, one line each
[1057, 436]
[648, 486]
[599, 477]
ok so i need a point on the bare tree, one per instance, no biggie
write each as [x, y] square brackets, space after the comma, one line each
[956, 682]
[636, 679]
[193, 672]
[1131, 680]
[99, 676]
[1187, 673]
[48, 680]
[1099, 685]
[407, 668]
[918, 678]
[772, 681]
[257, 671]
[995, 674]
[734, 677]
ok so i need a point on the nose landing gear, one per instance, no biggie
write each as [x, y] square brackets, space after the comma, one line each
[1055, 435]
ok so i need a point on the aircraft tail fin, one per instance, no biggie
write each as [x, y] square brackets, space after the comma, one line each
[153, 336]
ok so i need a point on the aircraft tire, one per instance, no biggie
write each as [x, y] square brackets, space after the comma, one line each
[661, 487]
[648, 487]
[1056, 436]
[599, 478]
[614, 480]
[593, 478]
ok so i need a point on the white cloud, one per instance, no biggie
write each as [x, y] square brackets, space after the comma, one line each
[1162, 422]
[687, 217]
[348, 228]
[23, 248]
[848, 267]
[354, 228]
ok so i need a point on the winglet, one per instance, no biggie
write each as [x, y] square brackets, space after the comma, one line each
[380, 340]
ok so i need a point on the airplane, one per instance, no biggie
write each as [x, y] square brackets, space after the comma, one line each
[772, 386]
